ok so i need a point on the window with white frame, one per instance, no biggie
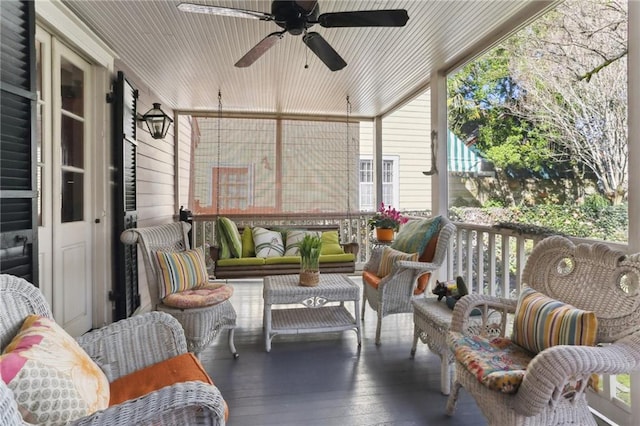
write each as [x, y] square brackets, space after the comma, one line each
[389, 183]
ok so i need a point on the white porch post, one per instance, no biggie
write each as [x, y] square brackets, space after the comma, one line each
[377, 158]
[633, 93]
[440, 180]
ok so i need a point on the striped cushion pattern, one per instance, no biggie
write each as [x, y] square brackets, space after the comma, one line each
[391, 256]
[542, 322]
[181, 270]
[229, 239]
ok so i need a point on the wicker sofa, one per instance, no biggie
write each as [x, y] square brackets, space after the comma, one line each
[251, 266]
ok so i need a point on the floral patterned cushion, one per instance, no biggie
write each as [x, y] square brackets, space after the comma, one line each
[53, 379]
[496, 362]
[204, 295]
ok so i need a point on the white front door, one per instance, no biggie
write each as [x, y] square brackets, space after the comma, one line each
[65, 181]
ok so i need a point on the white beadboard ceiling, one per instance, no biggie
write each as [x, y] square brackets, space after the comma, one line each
[384, 65]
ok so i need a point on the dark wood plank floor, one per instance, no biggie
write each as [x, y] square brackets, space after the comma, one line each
[323, 379]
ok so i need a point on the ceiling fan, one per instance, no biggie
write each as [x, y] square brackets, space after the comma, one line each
[296, 17]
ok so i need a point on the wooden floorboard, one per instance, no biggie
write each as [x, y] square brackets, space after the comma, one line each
[323, 379]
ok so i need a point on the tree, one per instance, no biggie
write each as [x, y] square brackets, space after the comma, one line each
[571, 66]
[482, 98]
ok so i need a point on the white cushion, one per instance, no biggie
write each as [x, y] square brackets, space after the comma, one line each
[268, 243]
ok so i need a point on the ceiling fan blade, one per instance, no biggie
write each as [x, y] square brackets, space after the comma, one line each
[258, 50]
[365, 18]
[324, 51]
[224, 11]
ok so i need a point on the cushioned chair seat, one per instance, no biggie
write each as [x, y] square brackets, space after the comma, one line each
[497, 362]
[179, 369]
[205, 295]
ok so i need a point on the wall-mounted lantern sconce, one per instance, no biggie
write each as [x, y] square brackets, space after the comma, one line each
[157, 121]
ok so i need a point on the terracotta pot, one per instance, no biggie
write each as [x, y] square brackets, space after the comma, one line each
[384, 234]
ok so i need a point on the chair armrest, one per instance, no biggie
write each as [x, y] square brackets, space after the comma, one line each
[420, 267]
[182, 403]
[487, 323]
[550, 370]
[134, 343]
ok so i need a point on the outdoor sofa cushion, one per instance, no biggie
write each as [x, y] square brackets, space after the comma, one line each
[229, 238]
[268, 243]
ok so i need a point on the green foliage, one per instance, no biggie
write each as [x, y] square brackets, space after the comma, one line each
[310, 248]
[590, 220]
[481, 99]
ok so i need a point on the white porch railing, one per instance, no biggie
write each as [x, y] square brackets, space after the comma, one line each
[490, 259]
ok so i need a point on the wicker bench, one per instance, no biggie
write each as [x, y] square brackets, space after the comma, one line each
[432, 320]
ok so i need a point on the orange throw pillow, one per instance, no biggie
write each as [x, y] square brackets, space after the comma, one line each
[181, 368]
[426, 256]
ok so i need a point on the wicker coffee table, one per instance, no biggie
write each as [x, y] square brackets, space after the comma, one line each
[315, 316]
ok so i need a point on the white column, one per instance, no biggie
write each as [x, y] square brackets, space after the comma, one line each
[634, 159]
[439, 180]
[377, 158]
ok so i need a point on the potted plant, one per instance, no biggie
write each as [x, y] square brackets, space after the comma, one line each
[386, 221]
[310, 247]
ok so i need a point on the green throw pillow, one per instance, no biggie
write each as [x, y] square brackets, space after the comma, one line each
[331, 243]
[248, 247]
[230, 236]
[416, 234]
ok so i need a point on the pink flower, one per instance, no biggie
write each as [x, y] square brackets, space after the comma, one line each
[387, 217]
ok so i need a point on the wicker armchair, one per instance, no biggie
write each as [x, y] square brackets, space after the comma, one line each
[201, 325]
[552, 392]
[118, 349]
[395, 291]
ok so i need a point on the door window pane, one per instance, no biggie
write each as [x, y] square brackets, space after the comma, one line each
[72, 88]
[72, 142]
[72, 196]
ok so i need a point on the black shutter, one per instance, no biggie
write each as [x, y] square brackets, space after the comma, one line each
[18, 196]
[125, 272]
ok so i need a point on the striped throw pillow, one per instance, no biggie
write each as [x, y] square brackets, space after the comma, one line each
[181, 270]
[229, 238]
[542, 322]
[391, 256]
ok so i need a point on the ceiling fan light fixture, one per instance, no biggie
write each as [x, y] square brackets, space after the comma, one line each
[158, 122]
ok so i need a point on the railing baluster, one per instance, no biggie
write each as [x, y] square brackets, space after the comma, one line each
[492, 264]
[505, 266]
[480, 261]
[520, 260]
